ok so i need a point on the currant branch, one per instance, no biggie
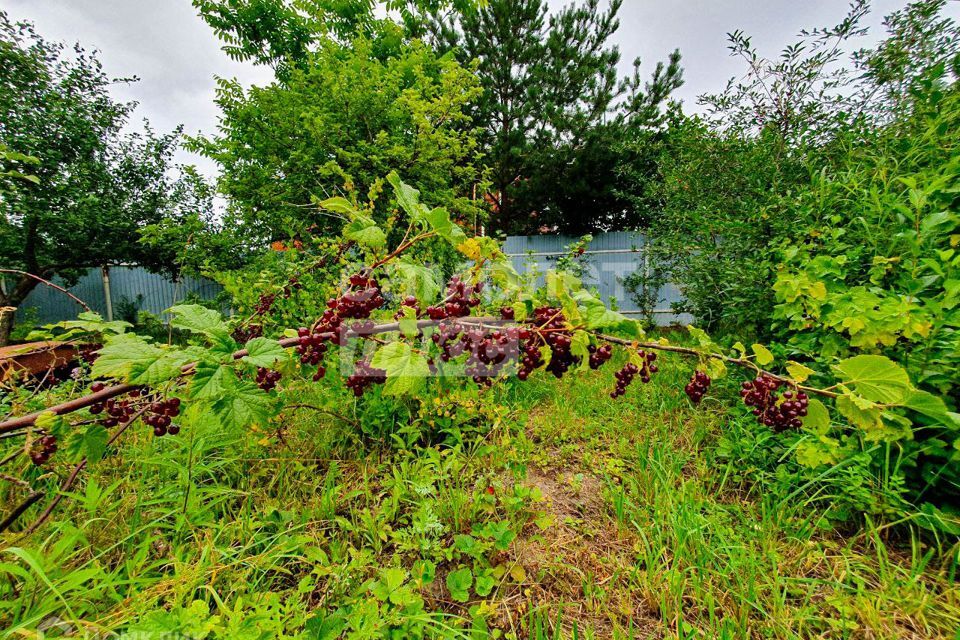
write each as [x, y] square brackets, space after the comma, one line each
[108, 393]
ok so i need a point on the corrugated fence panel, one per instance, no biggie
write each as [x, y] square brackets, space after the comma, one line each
[610, 258]
[128, 285]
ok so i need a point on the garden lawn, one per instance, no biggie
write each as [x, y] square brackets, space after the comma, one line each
[574, 516]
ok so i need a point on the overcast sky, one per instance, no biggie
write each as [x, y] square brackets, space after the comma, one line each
[177, 57]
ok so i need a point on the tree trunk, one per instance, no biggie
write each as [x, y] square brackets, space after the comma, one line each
[6, 324]
[9, 303]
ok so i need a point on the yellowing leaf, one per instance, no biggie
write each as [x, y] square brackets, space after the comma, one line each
[818, 417]
[763, 355]
[798, 372]
[470, 248]
[817, 291]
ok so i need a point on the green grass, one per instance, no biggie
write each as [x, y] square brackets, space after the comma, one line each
[636, 518]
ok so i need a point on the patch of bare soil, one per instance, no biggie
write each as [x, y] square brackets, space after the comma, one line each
[581, 562]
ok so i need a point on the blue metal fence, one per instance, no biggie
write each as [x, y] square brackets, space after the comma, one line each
[610, 257]
[124, 284]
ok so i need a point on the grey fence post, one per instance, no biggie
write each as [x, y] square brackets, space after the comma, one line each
[108, 300]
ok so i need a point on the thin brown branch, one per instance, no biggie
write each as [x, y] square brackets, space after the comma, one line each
[117, 390]
[49, 284]
[740, 362]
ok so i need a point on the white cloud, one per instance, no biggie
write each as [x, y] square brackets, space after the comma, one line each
[177, 56]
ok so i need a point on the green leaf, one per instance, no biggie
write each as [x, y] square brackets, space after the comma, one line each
[92, 322]
[598, 317]
[561, 283]
[406, 370]
[439, 221]
[818, 416]
[927, 404]
[408, 322]
[763, 355]
[244, 405]
[860, 414]
[484, 586]
[90, 443]
[504, 274]
[338, 204]
[211, 381]
[364, 231]
[201, 320]
[716, 368]
[876, 378]
[702, 338]
[458, 582]
[468, 545]
[264, 352]
[424, 571]
[580, 347]
[48, 421]
[815, 452]
[418, 280]
[390, 581]
[131, 358]
[407, 197]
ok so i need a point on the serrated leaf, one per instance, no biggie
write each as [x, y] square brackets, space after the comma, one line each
[90, 443]
[405, 369]
[560, 284]
[860, 414]
[201, 320]
[798, 372]
[546, 354]
[246, 404]
[131, 358]
[264, 352]
[364, 231]
[579, 346]
[407, 197]
[92, 322]
[458, 583]
[762, 354]
[504, 274]
[484, 585]
[816, 452]
[716, 368]
[471, 249]
[167, 367]
[211, 381]
[598, 317]
[876, 378]
[48, 421]
[818, 417]
[439, 221]
[418, 280]
[701, 337]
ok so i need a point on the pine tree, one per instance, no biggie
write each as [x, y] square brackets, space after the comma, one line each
[552, 108]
